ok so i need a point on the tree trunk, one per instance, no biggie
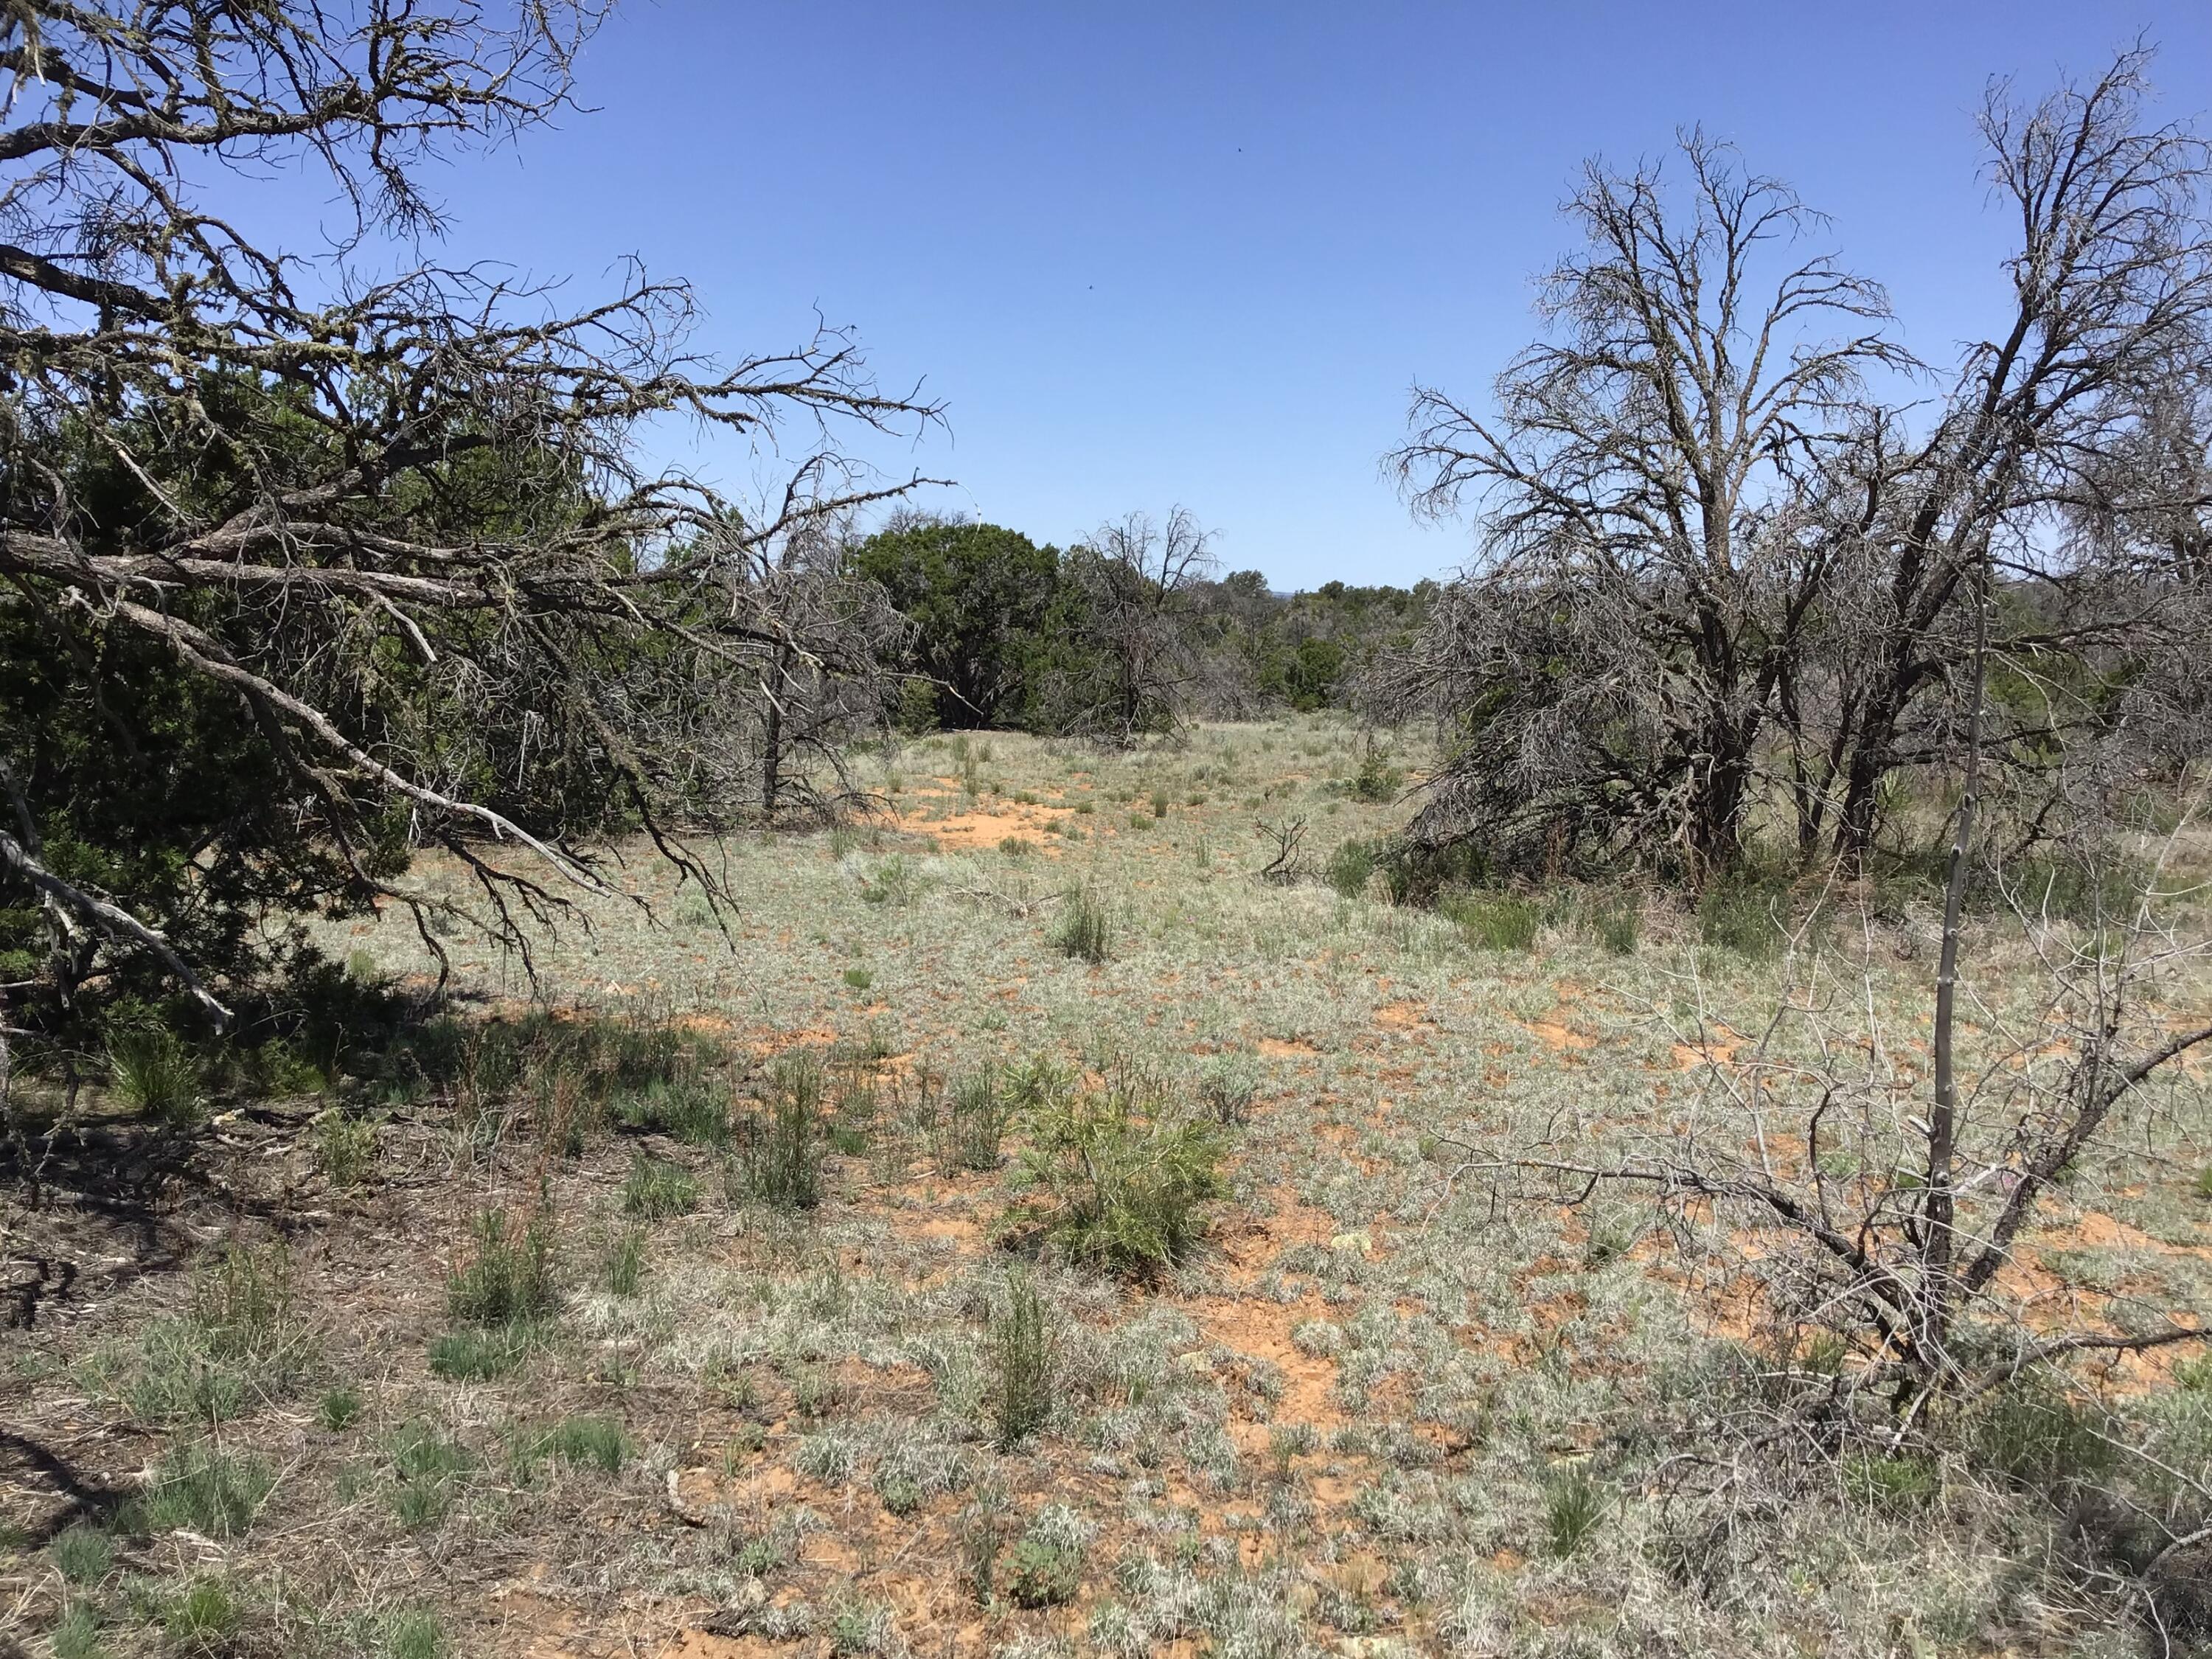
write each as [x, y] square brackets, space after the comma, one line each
[1940, 1208]
[772, 742]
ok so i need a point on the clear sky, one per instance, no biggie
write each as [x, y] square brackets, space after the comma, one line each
[1198, 252]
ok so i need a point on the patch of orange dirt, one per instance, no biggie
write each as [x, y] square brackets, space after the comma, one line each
[705, 1024]
[1252, 1247]
[2096, 1231]
[813, 1037]
[1402, 1016]
[1736, 1311]
[1287, 1047]
[1558, 1038]
[958, 1229]
[981, 828]
[1260, 1328]
[1360, 1574]
[1689, 1057]
[705, 1644]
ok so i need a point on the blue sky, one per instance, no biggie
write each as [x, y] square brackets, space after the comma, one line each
[1196, 253]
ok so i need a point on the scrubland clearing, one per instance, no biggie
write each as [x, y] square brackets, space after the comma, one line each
[734, 1293]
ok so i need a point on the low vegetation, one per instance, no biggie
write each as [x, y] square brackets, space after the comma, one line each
[1191, 1294]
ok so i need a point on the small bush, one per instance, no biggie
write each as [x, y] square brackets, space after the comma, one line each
[658, 1190]
[1045, 1568]
[1891, 1484]
[1378, 781]
[428, 1468]
[155, 1074]
[2035, 1436]
[1617, 922]
[1086, 930]
[829, 1457]
[1573, 1507]
[1125, 1190]
[584, 1443]
[893, 882]
[782, 1158]
[1423, 875]
[858, 978]
[978, 1112]
[692, 1108]
[862, 1630]
[203, 1618]
[339, 1409]
[1743, 916]
[509, 1277]
[83, 1555]
[1496, 921]
[1017, 846]
[815, 1394]
[981, 1535]
[1350, 867]
[852, 1117]
[199, 1487]
[1042, 1575]
[625, 1262]
[345, 1148]
[1022, 1360]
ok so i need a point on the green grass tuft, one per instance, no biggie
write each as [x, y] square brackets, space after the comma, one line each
[581, 1443]
[82, 1554]
[200, 1487]
[413, 1634]
[155, 1073]
[658, 1189]
[203, 1618]
[428, 1470]
[1085, 928]
[1022, 1353]
[781, 1162]
[1574, 1505]
[339, 1408]
[76, 1634]
[479, 1354]
[507, 1278]
[1496, 921]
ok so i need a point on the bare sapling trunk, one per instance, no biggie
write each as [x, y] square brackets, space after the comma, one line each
[1940, 1210]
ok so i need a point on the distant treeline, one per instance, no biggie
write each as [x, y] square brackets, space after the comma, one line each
[1006, 633]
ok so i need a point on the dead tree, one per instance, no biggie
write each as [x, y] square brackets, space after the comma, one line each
[2055, 411]
[401, 526]
[824, 681]
[1135, 580]
[1644, 573]
[1716, 567]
